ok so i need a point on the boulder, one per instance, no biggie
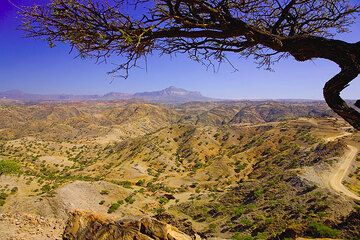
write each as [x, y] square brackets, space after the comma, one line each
[87, 226]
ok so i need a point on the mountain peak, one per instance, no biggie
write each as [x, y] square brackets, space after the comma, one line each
[175, 91]
[172, 94]
[174, 88]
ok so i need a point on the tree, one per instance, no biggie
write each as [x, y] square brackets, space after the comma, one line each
[268, 30]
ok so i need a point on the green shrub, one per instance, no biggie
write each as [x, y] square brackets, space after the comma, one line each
[130, 199]
[239, 166]
[258, 193]
[262, 236]
[212, 226]
[246, 222]
[357, 208]
[14, 190]
[113, 207]
[250, 207]
[104, 192]
[159, 210]
[239, 211]
[141, 182]
[3, 197]
[322, 230]
[198, 164]
[46, 188]
[9, 167]
[163, 200]
[239, 236]
[125, 184]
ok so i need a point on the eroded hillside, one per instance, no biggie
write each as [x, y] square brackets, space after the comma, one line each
[241, 170]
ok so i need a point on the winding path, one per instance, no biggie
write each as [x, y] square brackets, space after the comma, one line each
[331, 139]
[337, 176]
[341, 172]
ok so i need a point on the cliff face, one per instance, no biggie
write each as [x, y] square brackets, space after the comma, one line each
[85, 226]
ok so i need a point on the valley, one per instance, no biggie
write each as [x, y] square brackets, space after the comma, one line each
[212, 170]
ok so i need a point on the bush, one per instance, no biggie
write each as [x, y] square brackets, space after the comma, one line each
[104, 192]
[163, 200]
[357, 208]
[159, 210]
[3, 197]
[46, 188]
[14, 190]
[258, 193]
[239, 211]
[239, 166]
[113, 207]
[125, 184]
[9, 167]
[321, 230]
[246, 222]
[141, 182]
[239, 236]
[262, 236]
[130, 199]
[212, 226]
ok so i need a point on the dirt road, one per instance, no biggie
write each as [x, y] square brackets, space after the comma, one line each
[341, 172]
[330, 139]
[332, 177]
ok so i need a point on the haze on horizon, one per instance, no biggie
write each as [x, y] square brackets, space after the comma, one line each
[31, 66]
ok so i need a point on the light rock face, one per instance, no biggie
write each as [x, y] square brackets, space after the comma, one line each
[85, 226]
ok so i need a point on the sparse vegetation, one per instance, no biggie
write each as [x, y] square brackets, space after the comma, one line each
[113, 207]
[321, 230]
[125, 184]
[141, 182]
[104, 192]
[9, 167]
[129, 199]
[3, 197]
[241, 182]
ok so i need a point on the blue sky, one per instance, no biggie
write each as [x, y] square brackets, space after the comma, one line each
[29, 65]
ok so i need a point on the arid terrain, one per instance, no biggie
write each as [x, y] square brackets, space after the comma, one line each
[210, 170]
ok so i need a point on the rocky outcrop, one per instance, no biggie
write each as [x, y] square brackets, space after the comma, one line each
[86, 226]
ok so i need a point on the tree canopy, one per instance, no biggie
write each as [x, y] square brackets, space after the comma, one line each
[267, 30]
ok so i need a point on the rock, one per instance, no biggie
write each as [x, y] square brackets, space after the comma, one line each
[169, 196]
[86, 226]
[183, 225]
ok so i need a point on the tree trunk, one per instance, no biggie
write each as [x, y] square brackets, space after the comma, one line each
[357, 104]
[332, 92]
[346, 55]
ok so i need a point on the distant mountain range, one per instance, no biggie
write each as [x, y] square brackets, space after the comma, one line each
[168, 95]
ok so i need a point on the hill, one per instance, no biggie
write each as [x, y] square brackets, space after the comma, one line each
[278, 111]
[206, 168]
